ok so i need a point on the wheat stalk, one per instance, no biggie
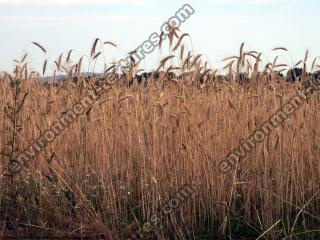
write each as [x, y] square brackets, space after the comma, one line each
[180, 40]
[40, 46]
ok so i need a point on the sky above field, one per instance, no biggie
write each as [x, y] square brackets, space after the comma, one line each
[217, 28]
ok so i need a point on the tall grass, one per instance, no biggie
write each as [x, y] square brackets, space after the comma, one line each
[112, 169]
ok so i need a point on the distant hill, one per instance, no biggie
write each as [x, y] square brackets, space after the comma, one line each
[62, 77]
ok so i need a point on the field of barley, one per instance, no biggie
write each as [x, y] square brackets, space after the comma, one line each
[115, 169]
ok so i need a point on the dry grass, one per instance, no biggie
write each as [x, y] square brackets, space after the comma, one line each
[111, 170]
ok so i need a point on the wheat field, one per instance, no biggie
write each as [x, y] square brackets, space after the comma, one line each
[121, 161]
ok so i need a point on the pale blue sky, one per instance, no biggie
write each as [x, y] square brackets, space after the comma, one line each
[217, 28]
